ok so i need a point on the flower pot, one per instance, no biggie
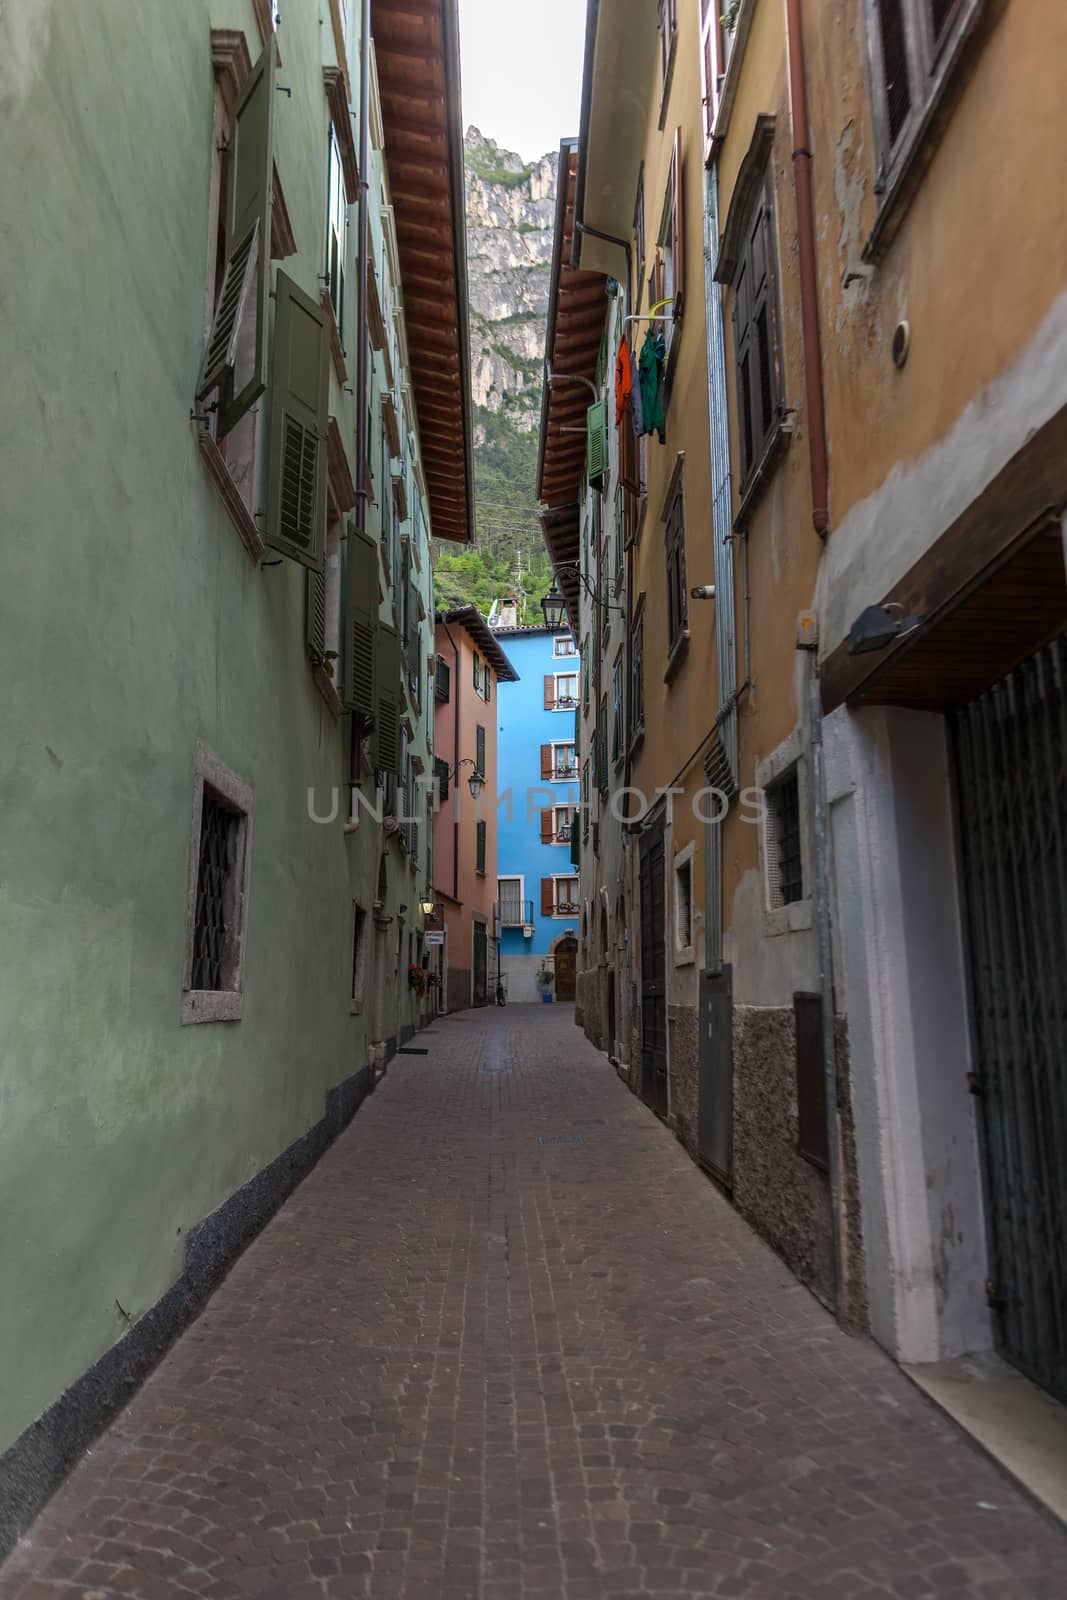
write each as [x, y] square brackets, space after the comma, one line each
[546, 996]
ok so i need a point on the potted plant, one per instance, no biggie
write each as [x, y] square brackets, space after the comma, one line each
[416, 980]
[544, 982]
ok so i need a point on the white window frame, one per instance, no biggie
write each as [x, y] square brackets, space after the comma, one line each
[566, 640]
[557, 879]
[575, 697]
[684, 954]
[563, 744]
[567, 806]
[217, 1005]
[511, 877]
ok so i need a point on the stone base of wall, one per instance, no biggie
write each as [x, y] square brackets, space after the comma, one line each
[683, 1026]
[458, 991]
[34, 1466]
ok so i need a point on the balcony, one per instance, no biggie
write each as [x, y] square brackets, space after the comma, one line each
[566, 769]
[567, 908]
[565, 702]
[563, 833]
[515, 913]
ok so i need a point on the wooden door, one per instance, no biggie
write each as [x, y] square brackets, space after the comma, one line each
[566, 969]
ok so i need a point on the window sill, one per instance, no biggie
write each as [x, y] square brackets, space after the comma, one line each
[239, 514]
[909, 163]
[328, 690]
[212, 1005]
[763, 472]
[679, 651]
[797, 917]
[684, 958]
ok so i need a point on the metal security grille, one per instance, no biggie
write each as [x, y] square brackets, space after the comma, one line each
[1011, 761]
[785, 864]
[219, 832]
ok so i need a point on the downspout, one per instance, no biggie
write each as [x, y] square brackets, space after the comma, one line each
[363, 235]
[809, 293]
[455, 765]
[821, 837]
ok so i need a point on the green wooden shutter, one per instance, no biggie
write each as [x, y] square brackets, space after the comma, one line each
[413, 629]
[596, 453]
[361, 621]
[296, 482]
[479, 748]
[480, 847]
[246, 282]
[315, 616]
[387, 692]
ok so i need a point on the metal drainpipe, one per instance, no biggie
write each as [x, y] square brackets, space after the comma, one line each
[363, 234]
[455, 766]
[809, 293]
[821, 837]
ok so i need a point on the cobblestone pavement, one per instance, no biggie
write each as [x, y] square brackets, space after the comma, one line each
[472, 1357]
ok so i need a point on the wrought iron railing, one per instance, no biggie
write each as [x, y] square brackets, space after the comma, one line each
[514, 912]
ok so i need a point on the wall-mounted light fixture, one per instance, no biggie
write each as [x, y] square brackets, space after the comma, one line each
[876, 629]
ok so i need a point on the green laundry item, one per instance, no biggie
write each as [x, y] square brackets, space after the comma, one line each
[648, 368]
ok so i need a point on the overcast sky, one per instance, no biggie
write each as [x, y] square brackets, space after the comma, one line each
[522, 70]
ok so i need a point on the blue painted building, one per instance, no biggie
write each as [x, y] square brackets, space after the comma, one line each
[538, 898]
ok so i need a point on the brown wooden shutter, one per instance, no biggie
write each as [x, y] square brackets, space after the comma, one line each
[812, 1132]
[296, 481]
[629, 452]
[388, 692]
[548, 904]
[550, 691]
[361, 621]
[678, 239]
[548, 830]
[546, 761]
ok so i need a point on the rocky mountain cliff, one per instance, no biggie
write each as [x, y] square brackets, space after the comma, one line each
[510, 218]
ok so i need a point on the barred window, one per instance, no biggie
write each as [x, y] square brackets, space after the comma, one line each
[217, 896]
[785, 862]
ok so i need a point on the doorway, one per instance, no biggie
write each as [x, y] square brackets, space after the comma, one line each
[566, 963]
[481, 964]
[653, 971]
[1011, 772]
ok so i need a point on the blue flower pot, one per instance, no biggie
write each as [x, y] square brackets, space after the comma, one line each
[546, 997]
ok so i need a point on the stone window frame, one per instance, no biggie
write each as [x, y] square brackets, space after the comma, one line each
[217, 1005]
[684, 955]
[360, 955]
[798, 916]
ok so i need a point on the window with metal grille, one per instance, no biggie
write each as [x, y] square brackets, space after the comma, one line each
[785, 858]
[219, 856]
[677, 604]
[213, 931]
[480, 842]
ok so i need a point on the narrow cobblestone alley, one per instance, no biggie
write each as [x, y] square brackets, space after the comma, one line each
[507, 1342]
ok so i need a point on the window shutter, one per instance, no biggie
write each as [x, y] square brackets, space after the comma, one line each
[361, 621]
[596, 454]
[548, 831]
[413, 625]
[480, 847]
[488, 684]
[546, 761]
[550, 691]
[315, 617]
[479, 748]
[296, 484]
[678, 234]
[387, 689]
[248, 239]
[548, 903]
[812, 1129]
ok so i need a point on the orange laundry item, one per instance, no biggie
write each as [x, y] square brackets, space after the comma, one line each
[624, 380]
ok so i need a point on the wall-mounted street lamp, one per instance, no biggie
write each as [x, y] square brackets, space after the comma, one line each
[876, 628]
[553, 604]
[476, 781]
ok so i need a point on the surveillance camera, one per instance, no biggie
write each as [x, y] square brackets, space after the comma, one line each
[703, 591]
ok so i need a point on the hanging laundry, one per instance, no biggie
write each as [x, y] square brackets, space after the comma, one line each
[650, 372]
[624, 380]
[637, 411]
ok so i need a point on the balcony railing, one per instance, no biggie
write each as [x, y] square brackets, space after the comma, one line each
[566, 702]
[567, 908]
[563, 833]
[565, 769]
[515, 913]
